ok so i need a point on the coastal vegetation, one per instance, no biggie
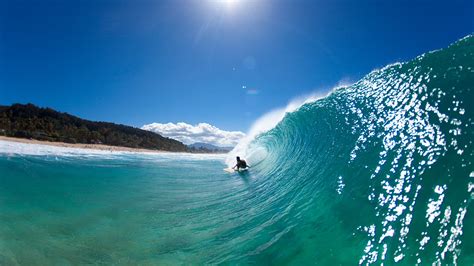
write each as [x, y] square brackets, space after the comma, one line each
[33, 122]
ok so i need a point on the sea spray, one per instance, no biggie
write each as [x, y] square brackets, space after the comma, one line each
[265, 123]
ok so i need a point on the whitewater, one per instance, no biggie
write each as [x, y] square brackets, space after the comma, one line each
[379, 171]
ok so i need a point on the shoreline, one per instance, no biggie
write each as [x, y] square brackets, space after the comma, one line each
[100, 147]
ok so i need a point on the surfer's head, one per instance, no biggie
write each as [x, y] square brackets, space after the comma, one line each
[238, 158]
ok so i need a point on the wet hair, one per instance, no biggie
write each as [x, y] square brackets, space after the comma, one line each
[238, 158]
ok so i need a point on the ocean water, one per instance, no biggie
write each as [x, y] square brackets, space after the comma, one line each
[376, 172]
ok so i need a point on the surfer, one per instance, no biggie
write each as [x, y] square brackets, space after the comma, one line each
[240, 164]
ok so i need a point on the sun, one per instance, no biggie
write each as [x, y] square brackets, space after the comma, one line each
[228, 7]
[229, 4]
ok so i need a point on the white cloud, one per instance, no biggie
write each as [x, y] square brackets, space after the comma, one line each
[202, 132]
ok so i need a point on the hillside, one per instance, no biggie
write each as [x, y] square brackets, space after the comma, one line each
[33, 122]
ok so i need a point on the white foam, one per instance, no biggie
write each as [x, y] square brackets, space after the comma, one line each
[17, 148]
[11, 147]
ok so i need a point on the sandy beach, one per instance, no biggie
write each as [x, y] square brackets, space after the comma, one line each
[100, 147]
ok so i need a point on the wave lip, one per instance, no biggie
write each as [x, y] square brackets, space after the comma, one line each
[265, 123]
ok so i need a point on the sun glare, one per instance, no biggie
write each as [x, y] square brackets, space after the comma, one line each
[230, 4]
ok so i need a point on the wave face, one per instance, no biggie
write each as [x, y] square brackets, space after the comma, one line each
[381, 171]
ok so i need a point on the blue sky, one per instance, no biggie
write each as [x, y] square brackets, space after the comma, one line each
[220, 62]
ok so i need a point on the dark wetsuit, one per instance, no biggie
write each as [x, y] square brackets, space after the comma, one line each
[241, 164]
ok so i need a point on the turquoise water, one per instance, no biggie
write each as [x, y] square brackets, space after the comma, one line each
[379, 171]
[121, 209]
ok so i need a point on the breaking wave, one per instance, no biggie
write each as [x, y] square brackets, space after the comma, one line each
[389, 158]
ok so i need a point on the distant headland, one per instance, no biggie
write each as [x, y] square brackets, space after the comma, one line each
[28, 121]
